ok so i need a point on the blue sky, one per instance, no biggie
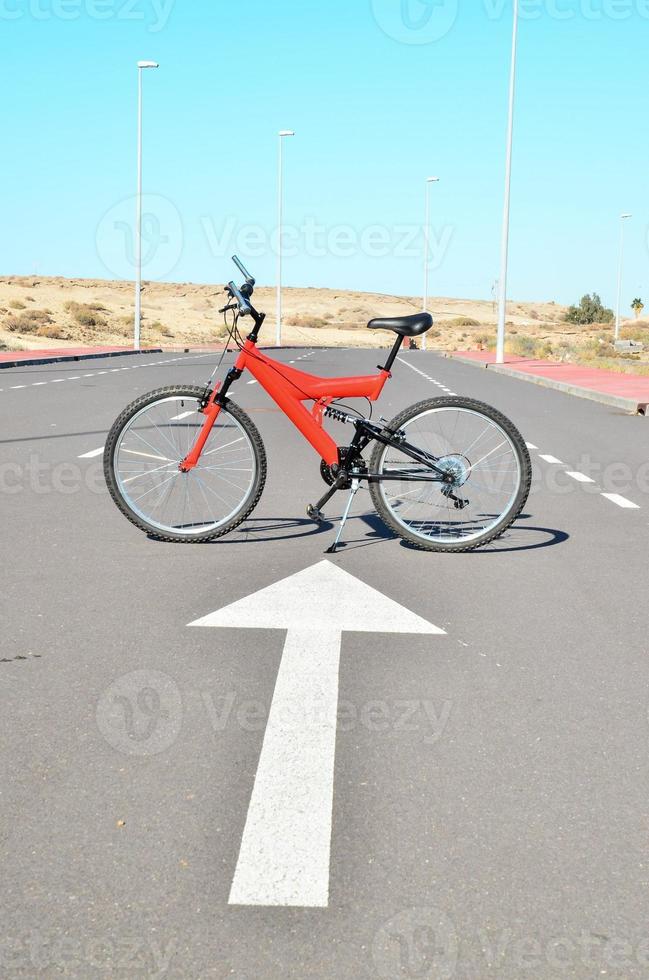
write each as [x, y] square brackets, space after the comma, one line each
[380, 93]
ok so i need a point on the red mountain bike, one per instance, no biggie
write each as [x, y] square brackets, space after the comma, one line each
[184, 463]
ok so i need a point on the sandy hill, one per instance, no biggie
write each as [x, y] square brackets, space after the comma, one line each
[56, 312]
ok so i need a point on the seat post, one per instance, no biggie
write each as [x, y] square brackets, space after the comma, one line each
[393, 354]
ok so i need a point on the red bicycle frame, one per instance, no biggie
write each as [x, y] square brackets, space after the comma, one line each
[289, 389]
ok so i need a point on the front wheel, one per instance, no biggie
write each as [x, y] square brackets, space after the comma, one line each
[142, 466]
[486, 467]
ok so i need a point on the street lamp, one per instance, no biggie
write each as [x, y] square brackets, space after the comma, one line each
[504, 250]
[141, 65]
[429, 181]
[280, 194]
[623, 218]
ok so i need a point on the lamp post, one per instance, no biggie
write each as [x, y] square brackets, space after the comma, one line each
[141, 66]
[429, 181]
[280, 205]
[623, 218]
[504, 249]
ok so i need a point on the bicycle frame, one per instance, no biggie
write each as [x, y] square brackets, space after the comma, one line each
[289, 389]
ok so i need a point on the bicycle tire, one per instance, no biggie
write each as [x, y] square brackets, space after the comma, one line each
[189, 392]
[508, 517]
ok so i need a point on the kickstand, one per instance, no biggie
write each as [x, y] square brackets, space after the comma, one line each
[355, 485]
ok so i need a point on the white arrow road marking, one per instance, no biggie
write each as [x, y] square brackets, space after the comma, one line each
[285, 850]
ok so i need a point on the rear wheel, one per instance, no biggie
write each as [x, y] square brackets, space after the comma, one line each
[479, 448]
[141, 464]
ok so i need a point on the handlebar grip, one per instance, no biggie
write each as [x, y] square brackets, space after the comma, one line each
[244, 305]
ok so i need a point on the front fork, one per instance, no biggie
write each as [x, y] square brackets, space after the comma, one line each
[210, 410]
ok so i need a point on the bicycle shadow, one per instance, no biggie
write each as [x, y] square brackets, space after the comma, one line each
[368, 530]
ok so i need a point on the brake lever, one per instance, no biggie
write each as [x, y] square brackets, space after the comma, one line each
[230, 306]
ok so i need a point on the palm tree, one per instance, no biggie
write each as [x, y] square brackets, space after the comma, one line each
[637, 306]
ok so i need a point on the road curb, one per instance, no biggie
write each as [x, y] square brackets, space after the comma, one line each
[28, 361]
[630, 405]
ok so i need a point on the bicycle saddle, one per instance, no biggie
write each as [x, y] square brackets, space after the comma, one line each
[407, 326]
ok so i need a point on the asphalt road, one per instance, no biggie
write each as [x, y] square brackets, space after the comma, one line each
[490, 814]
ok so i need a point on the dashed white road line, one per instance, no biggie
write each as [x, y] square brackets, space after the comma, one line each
[183, 415]
[82, 377]
[616, 498]
[579, 477]
[92, 453]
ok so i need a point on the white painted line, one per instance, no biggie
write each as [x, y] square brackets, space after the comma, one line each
[74, 377]
[253, 382]
[183, 415]
[615, 498]
[92, 453]
[550, 459]
[285, 850]
[530, 445]
[15, 387]
[57, 381]
[579, 477]
[37, 384]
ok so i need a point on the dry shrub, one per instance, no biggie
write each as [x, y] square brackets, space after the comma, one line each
[27, 322]
[299, 320]
[464, 321]
[86, 314]
[52, 331]
[161, 328]
[17, 304]
[636, 331]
